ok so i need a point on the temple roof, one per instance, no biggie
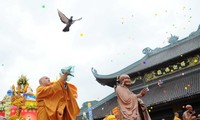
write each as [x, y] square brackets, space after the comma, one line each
[175, 87]
[155, 57]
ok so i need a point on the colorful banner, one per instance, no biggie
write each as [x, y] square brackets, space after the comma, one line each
[90, 111]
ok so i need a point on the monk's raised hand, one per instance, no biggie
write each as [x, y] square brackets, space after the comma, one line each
[143, 91]
[64, 76]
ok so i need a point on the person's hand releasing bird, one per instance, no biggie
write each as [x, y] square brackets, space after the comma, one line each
[66, 21]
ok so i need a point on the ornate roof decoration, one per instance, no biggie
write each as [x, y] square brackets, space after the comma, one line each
[173, 39]
[147, 50]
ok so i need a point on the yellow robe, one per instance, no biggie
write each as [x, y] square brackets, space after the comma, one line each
[176, 118]
[55, 102]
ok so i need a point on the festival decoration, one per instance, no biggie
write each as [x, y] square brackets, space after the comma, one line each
[22, 85]
[174, 67]
[90, 111]
[7, 105]
[20, 102]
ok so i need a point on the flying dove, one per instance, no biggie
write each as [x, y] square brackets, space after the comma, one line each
[66, 21]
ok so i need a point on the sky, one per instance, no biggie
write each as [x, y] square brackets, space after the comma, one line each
[110, 36]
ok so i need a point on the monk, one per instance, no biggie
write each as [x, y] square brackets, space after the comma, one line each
[55, 101]
[130, 104]
[189, 113]
[176, 116]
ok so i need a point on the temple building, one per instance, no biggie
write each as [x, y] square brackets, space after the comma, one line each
[171, 73]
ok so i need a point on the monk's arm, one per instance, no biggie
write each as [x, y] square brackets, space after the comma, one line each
[139, 95]
[44, 91]
[142, 93]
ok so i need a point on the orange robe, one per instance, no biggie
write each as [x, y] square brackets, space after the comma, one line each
[55, 102]
[176, 118]
[129, 105]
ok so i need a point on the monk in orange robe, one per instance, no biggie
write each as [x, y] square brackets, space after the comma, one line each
[55, 101]
[176, 116]
[130, 105]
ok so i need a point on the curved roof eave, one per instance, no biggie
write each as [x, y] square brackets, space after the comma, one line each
[186, 45]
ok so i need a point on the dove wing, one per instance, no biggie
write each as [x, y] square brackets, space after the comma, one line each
[63, 18]
[76, 20]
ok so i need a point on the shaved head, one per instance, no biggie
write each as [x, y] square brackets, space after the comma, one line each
[45, 81]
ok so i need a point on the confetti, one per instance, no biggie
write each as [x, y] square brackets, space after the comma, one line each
[185, 88]
[160, 82]
[195, 61]
[81, 34]
[147, 89]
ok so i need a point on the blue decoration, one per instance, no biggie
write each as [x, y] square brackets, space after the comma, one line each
[9, 92]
